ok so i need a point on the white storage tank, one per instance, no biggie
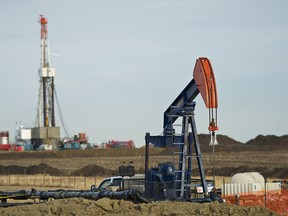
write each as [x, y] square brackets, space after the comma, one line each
[4, 137]
[249, 183]
[248, 177]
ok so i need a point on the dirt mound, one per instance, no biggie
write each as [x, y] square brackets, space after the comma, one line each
[259, 143]
[269, 140]
[280, 172]
[78, 206]
[42, 168]
[227, 144]
[30, 170]
[222, 139]
[230, 171]
[93, 170]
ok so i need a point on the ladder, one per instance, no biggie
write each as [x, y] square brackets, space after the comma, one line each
[182, 143]
[179, 144]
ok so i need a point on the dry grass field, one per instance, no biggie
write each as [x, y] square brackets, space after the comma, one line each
[263, 153]
[68, 163]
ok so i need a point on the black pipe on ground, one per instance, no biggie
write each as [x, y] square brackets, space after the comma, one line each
[131, 195]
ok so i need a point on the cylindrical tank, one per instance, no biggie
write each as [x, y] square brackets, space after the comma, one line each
[247, 177]
[4, 137]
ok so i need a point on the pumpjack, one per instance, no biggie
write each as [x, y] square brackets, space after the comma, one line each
[166, 181]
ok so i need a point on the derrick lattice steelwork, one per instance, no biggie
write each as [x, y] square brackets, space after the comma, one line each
[45, 111]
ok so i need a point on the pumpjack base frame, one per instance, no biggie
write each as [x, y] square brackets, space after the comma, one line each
[188, 139]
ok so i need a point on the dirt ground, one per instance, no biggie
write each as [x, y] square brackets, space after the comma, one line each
[105, 206]
[264, 154]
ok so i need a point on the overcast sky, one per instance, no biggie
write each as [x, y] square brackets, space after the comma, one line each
[121, 63]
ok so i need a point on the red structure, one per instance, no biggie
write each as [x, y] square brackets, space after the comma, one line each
[120, 144]
[4, 143]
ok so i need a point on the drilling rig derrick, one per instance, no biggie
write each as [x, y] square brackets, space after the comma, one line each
[45, 131]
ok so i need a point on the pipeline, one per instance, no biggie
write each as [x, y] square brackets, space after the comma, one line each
[131, 195]
[16, 195]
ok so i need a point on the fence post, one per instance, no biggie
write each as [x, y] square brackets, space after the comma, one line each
[224, 191]
[265, 197]
[237, 202]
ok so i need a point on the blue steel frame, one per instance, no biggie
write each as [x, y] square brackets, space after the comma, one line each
[183, 106]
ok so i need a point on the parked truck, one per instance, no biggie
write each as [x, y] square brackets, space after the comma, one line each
[136, 182]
